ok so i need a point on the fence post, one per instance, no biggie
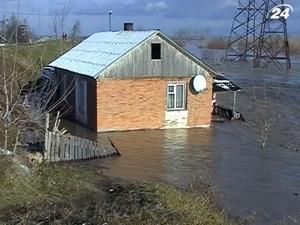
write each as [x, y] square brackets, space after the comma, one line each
[62, 148]
[71, 148]
[76, 149]
[46, 147]
[49, 146]
[57, 147]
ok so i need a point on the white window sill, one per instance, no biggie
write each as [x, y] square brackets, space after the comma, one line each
[176, 110]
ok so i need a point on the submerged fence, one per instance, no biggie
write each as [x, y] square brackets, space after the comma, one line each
[59, 147]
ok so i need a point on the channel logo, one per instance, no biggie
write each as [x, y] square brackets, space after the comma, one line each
[282, 11]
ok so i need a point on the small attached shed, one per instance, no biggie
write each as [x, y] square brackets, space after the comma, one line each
[129, 80]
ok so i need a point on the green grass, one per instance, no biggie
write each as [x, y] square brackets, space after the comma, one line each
[43, 183]
[27, 60]
[66, 194]
[45, 51]
[196, 208]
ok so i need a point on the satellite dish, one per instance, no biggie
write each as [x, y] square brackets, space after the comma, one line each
[199, 83]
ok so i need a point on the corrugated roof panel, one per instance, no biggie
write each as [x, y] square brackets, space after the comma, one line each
[222, 84]
[99, 51]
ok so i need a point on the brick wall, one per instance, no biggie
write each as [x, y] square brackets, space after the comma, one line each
[141, 104]
[200, 107]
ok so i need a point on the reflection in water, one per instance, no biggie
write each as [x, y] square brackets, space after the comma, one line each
[160, 155]
[142, 157]
[183, 159]
[246, 178]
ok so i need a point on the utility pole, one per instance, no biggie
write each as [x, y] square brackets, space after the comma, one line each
[2, 26]
[109, 19]
[3, 19]
[3, 23]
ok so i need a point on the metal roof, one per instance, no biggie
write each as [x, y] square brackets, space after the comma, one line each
[222, 84]
[100, 50]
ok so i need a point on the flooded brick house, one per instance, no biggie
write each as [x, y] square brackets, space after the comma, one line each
[130, 80]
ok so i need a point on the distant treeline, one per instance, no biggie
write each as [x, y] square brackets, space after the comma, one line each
[212, 42]
[294, 46]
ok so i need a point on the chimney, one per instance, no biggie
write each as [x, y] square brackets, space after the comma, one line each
[128, 26]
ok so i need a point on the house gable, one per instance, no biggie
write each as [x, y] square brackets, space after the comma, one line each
[127, 54]
[174, 62]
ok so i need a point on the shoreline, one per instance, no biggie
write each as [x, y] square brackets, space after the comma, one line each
[68, 195]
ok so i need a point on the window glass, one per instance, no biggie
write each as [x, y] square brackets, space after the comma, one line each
[171, 101]
[171, 88]
[156, 51]
[179, 96]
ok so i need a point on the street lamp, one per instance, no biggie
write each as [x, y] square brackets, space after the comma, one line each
[109, 18]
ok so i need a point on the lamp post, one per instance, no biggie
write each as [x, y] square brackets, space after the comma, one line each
[109, 18]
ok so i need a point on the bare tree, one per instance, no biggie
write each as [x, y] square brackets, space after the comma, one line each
[75, 32]
[25, 98]
[63, 16]
[24, 103]
[13, 113]
[58, 23]
[55, 24]
[263, 117]
[260, 118]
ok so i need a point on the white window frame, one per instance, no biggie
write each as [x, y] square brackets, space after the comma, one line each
[175, 95]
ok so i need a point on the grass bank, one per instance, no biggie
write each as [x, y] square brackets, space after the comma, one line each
[27, 60]
[19, 66]
[51, 194]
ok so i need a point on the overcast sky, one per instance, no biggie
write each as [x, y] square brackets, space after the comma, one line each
[207, 16]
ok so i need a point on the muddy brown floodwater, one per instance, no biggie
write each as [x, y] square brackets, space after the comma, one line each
[250, 181]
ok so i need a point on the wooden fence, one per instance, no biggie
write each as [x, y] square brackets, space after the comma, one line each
[59, 147]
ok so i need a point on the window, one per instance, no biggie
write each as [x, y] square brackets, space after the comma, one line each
[156, 51]
[176, 97]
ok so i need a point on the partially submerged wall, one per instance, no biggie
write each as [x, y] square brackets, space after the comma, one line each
[130, 104]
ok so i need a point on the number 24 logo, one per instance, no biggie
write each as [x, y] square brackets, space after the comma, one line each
[281, 11]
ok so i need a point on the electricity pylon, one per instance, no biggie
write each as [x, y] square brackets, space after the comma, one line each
[258, 38]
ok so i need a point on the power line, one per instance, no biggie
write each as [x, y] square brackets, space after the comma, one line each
[28, 14]
[52, 14]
